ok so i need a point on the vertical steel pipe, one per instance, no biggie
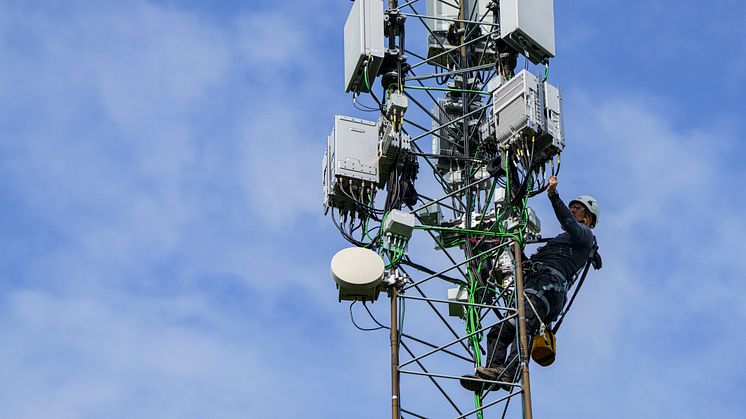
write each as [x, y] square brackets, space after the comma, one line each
[525, 383]
[395, 407]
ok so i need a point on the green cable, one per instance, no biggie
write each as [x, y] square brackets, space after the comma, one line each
[478, 403]
[465, 231]
[380, 230]
[524, 212]
[388, 94]
[367, 220]
[365, 76]
[546, 71]
[455, 242]
[398, 254]
[476, 167]
[472, 324]
[392, 259]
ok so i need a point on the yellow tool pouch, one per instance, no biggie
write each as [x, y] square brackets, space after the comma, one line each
[545, 348]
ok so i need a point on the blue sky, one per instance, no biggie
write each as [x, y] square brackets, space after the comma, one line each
[162, 248]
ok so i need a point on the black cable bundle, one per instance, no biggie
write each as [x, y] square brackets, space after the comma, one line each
[400, 185]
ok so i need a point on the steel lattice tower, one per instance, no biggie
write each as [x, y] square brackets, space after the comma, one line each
[485, 167]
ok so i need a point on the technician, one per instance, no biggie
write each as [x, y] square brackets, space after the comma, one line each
[548, 273]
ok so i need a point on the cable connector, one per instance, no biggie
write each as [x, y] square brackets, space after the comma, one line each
[395, 106]
[395, 278]
[396, 102]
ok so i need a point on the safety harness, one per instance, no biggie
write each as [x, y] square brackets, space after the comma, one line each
[551, 285]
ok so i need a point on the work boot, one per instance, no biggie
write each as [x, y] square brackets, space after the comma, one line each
[468, 382]
[498, 373]
[490, 373]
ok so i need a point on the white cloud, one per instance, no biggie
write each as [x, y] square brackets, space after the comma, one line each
[81, 357]
[186, 356]
[169, 291]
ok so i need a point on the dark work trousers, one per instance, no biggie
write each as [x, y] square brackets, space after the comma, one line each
[503, 334]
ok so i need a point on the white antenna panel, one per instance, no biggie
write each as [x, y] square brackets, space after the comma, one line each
[363, 44]
[358, 272]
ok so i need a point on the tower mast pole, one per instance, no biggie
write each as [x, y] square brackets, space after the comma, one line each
[395, 407]
[525, 383]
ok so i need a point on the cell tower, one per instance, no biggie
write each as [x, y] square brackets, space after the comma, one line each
[444, 71]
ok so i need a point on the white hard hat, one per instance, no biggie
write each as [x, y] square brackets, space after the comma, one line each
[591, 204]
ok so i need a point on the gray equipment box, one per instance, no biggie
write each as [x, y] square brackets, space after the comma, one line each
[528, 26]
[448, 135]
[476, 10]
[399, 224]
[397, 103]
[441, 10]
[552, 141]
[534, 223]
[350, 164]
[516, 108]
[437, 42]
[525, 109]
[390, 145]
[457, 296]
[363, 44]
[397, 230]
[355, 143]
[431, 215]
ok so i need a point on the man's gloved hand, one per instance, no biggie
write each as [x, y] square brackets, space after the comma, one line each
[552, 186]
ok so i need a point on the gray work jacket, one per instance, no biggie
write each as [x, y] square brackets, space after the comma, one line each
[568, 251]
